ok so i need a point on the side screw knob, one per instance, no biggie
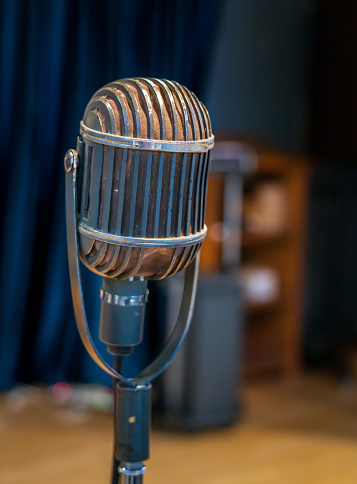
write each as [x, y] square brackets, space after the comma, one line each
[70, 160]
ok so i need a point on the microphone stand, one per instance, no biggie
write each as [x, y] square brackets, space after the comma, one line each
[118, 366]
[121, 324]
[121, 328]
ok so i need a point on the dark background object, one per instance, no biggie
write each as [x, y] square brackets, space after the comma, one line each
[259, 80]
[331, 275]
[334, 121]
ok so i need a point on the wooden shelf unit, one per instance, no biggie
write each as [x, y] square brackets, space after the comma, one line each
[275, 336]
[272, 329]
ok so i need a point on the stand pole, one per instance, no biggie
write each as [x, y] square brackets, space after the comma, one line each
[132, 417]
[118, 366]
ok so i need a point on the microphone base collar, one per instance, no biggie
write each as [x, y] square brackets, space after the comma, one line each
[122, 313]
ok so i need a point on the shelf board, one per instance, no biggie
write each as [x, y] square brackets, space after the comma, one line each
[263, 364]
[251, 309]
[254, 239]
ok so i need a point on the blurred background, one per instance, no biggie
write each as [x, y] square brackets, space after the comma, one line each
[276, 320]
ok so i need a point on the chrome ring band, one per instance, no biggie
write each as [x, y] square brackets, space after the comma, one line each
[183, 241]
[126, 301]
[131, 472]
[200, 146]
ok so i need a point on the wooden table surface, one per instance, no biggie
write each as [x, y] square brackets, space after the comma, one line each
[302, 432]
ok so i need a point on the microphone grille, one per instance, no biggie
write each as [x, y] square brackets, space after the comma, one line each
[150, 109]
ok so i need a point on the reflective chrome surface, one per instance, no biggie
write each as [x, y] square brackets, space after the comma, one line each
[132, 473]
[166, 242]
[124, 300]
[146, 144]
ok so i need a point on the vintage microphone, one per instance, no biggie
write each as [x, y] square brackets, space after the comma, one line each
[135, 209]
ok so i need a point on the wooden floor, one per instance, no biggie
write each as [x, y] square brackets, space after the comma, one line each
[302, 432]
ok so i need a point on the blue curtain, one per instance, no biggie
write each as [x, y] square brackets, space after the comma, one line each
[54, 56]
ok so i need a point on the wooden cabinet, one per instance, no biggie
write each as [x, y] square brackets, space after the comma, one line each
[272, 258]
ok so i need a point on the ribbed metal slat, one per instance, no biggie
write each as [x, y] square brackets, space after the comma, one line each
[141, 190]
[158, 195]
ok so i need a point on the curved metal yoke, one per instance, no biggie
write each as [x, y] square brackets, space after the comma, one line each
[185, 315]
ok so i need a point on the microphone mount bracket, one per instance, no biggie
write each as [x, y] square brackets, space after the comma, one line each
[158, 365]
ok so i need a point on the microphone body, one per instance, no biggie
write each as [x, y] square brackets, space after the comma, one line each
[144, 145]
[144, 151]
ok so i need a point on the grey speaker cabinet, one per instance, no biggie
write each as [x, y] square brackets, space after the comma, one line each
[201, 387]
